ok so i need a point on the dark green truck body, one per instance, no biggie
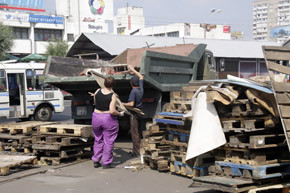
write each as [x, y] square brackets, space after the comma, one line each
[163, 72]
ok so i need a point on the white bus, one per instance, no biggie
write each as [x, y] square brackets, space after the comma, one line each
[23, 93]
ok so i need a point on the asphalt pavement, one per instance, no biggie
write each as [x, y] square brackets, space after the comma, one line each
[83, 177]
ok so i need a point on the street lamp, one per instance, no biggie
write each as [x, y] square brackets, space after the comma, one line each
[206, 25]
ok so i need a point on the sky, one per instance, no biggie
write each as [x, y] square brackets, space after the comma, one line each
[237, 13]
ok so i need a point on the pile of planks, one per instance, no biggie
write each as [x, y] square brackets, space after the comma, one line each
[51, 142]
[57, 143]
[173, 131]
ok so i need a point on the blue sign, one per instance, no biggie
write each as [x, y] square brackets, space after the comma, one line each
[280, 31]
[45, 19]
[24, 3]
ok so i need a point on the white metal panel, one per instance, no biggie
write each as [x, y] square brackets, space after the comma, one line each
[116, 44]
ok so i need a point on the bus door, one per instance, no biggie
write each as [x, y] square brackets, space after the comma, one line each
[4, 96]
[17, 97]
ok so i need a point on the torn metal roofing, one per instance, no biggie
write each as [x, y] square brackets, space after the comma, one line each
[108, 45]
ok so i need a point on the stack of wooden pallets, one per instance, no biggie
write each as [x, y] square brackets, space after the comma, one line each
[59, 143]
[16, 137]
[156, 154]
[255, 139]
[256, 153]
[173, 134]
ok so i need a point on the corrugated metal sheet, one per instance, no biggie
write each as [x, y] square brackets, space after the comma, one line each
[116, 44]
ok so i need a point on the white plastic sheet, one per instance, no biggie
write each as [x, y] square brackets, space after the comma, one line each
[206, 130]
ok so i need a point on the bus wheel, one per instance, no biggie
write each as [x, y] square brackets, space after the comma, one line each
[43, 113]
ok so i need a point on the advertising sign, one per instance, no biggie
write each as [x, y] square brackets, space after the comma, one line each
[45, 19]
[28, 5]
[20, 17]
[226, 29]
[97, 9]
[280, 31]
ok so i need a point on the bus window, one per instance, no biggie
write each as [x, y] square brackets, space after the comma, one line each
[29, 79]
[39, 79]
[3, 85]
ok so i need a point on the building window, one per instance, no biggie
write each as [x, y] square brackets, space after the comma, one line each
[3, 85]
[160, 35]
[173, 34]
[20, 33]
[47, 34]
[70, 37]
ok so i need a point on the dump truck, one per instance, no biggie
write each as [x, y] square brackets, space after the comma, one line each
[164, 68]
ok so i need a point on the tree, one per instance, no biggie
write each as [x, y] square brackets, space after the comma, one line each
[57, 48]
[6, 40]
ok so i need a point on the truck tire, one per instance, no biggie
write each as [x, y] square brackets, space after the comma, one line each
[43, 113]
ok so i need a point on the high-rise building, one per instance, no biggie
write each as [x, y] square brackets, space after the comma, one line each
[271, 20]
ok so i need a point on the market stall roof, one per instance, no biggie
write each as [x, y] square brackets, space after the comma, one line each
[109, 45]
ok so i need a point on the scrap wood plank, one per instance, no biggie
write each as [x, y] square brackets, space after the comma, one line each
[280, 87]
[223, 184]
[67, 130]
[9, 161]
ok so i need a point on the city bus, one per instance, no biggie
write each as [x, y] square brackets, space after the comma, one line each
[24, 94]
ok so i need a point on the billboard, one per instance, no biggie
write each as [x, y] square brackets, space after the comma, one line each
[280, 31]
[27, 5]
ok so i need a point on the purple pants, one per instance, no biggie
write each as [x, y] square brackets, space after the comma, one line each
[105, 129]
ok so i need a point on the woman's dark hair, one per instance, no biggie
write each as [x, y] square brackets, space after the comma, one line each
[109, 82]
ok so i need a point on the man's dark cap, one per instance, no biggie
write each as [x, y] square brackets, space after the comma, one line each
[135, 80]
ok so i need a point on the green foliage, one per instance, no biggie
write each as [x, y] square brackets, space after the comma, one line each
[6, 40]
[57, 48]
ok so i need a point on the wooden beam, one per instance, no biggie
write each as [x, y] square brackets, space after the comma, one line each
[278, 68]
[277, 55]
[281, 87]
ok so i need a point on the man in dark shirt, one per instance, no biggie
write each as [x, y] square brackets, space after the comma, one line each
[135, 100]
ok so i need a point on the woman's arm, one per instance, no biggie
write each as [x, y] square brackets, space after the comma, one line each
[112, 107]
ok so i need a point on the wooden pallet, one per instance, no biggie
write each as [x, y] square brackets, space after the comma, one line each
[185, 170]
[277, 59]
[57, 140]
[54, 161]
[8, 162]
[251, 172]
[67, 130]
[22, 127]
[15, 148]
[57, 147]
[178, 136]
[240, 107]
[256, 141]
[179, 106]
[202, 160]
[247, 124]
[17, 139]
[159, 163]
[171, 118]
[252, 156]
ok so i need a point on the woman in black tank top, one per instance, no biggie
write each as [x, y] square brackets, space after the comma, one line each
[105, 125]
